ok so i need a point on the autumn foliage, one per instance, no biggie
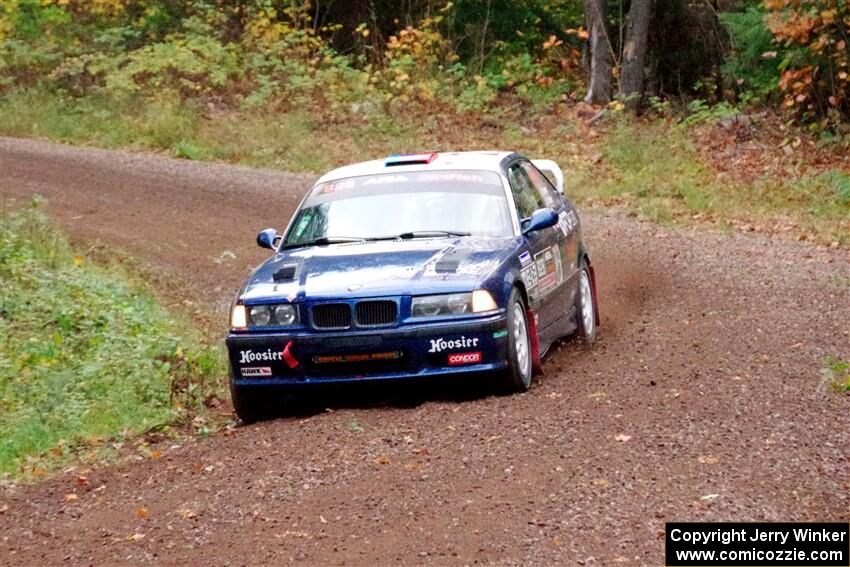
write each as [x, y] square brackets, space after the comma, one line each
[816, 70]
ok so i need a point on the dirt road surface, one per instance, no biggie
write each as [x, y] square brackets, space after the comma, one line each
[703, 401]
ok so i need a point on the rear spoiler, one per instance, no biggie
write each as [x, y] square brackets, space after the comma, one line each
[552, 172]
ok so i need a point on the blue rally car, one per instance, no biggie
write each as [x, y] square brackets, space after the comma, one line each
[414, 266]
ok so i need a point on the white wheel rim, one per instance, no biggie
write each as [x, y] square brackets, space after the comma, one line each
[523, 354]
[588, 317]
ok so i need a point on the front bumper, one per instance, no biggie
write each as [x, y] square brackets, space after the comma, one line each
[304, 357]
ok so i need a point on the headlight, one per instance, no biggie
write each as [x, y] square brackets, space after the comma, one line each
[239, 317]
[260, 315]
[450, 304]
[482, 301]
[273, 315]
[441, 305]
[285, 314]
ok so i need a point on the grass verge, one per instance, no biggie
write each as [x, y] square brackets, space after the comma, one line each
[87, 356]
[655, 170]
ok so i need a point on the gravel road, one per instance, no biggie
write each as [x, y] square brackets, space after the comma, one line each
[703, 401]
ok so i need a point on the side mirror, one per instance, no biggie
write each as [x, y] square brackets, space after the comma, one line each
[267, 238]
[540, 219]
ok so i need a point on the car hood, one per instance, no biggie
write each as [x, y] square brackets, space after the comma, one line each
[378, 268]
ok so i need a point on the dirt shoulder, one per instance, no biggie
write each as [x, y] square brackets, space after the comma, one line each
[702, 401]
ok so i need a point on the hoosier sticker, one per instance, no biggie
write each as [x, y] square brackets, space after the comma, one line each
[441, 344]
[268, 355]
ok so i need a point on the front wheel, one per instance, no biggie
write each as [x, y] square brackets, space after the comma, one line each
[253, 404]
[518, 374]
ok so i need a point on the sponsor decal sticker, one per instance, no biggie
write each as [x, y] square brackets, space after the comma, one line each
[252, 371]
[268, 355]
[460, 358]
[337, 358]
[525, 258]
[529, 278]
[441, 344]
[451, 176]
[500, 334]
[549, 269]
[567, 221]
[384, 179]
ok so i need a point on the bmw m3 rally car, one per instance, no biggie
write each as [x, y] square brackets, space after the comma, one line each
[414, 266]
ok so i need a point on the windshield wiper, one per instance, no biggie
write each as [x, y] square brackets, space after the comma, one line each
[430, 233]
[324, 241]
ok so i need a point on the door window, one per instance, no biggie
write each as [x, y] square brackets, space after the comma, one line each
[526, 196]
[544, 189]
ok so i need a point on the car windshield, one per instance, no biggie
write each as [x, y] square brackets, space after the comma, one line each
[403, 205]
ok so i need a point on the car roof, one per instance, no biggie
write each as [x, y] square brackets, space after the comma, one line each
[479, 160]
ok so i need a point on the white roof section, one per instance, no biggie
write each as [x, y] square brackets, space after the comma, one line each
[480, 161]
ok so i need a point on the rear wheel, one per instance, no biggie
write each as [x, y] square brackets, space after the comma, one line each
[585, 306]
[518, 374]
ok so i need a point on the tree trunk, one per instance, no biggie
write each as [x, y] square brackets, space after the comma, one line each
[634, 51]
[599, 91]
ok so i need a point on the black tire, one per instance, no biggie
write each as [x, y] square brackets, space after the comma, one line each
[252, 404]
[585, 326]
[517, 377]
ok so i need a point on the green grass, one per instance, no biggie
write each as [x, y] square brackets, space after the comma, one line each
[836, 373]
[655, 170]
[87, 354]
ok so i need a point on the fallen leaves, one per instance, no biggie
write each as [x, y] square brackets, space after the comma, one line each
[623, 438]
[187, 513]
[142, 512]
[71, 497]
[382, 460]
[708, 460]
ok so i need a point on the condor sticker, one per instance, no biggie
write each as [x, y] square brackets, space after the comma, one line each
[256, 371]
[461, 358]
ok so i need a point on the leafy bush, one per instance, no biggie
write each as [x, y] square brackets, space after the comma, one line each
[816, 68]
[701, 112]
[189, 63]
[752, 64]
[86, 355]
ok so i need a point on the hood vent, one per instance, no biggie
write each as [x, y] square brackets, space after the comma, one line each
[285, 273]
[446, 266]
